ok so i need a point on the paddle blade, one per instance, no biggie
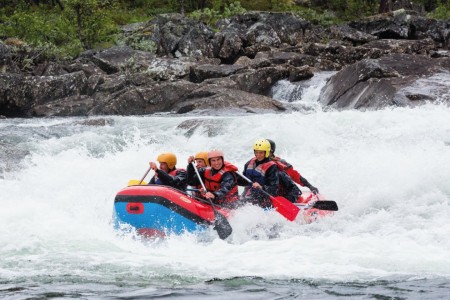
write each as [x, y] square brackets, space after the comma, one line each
[136, 182]
[285, 207]
[326, 205]
[222, 226]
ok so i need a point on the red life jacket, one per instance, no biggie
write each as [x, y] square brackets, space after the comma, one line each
[212, 182]
[287, 167]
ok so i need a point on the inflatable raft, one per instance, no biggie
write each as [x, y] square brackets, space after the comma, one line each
[157, 211]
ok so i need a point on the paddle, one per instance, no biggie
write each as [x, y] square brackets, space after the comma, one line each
[282, 205]
[326, 205]
[221, 224]
[135, 182]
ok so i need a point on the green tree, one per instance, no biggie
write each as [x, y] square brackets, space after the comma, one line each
[91, 19]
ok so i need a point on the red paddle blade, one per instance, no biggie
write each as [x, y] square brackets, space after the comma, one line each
[285, 207]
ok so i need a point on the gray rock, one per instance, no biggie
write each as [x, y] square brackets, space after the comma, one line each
[373, 84]
[202, 72]
[260, 81]
[122, 58]
[216, 100]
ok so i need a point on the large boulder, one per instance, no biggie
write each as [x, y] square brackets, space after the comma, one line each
[388, 81]
[176, 35]
[122, 58]
[213, 99]
[20, 93]
[158, 97]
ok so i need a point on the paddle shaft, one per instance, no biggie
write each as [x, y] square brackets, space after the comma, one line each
[249, 181]
[198, 175]
[222, 226]
[145, 175]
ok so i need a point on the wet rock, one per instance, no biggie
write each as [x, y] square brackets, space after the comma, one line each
[373, 84]
[176, 35]
[158, 97]
[172, 69]
[202, 72]
[259, 81]
[300, 73]
[211, 127]
[96, 122]
[216, 100]
[122, 58]
[68, 106]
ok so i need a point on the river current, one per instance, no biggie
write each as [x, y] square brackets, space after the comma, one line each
[388, 170]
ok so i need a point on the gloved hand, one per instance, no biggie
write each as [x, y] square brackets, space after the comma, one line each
[313, 189]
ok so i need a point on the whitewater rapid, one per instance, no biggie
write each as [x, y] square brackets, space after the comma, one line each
[388, 171]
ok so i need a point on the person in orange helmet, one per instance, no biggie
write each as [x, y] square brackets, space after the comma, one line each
[167, 173]
[201, 159]
[219, 179]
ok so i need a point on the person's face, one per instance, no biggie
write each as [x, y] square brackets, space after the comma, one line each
[200, 163]
[163, 166]
[216, 163]
[260, 154]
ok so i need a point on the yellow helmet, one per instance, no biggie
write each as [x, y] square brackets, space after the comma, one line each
[169, 158]
[262, 145]
[204, 156]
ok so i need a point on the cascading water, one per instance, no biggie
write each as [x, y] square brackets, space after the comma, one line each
[388, 171]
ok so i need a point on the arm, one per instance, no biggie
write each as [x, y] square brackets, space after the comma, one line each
[191, 176]
[272, 181]
[294, 174]
[308, 185]
[177, 180]
[227, 183]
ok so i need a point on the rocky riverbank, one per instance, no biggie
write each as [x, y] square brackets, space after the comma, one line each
[178, 65]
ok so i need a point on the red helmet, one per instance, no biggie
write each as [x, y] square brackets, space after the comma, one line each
[215, 153]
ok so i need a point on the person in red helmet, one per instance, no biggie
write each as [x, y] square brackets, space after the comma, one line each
[219, 179]
[283, 165]
[167, 173]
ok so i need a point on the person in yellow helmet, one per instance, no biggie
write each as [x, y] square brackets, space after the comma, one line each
[167, 173]
[201, 159]
[263, 172]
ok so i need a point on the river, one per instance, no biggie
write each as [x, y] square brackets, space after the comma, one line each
[388, 170]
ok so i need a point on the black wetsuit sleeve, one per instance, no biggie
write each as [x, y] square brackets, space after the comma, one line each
[191, 176]
[227, 183]
[241, 181]
[272, 180]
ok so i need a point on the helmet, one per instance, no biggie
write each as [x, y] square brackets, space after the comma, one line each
[272, 145]
[262, 145]
[204, 156]
[169, 158]
[215, 153]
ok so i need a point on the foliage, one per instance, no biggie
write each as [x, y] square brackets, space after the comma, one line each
[91, 19]
[210, 16]
[324, 18]
[442, 12]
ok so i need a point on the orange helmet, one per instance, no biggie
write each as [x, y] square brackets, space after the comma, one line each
[204, 156]
[169, 158]
[215, 153]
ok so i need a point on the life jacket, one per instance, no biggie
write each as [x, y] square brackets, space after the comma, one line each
[287, 167]
[173, 173]
[257, 173]
[281, 163]
[212, 182]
